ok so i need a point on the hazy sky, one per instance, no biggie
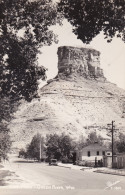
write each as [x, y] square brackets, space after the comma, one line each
[112, 54]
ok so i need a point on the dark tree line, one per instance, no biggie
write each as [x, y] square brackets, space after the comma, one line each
[55, 146]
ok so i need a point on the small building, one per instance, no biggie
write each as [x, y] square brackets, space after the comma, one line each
[93, 152]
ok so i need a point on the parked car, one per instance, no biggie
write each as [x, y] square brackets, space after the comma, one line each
[53, 162]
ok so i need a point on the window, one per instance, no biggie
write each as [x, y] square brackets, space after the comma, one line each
[97, 153]
[88, 153]
[103, 153]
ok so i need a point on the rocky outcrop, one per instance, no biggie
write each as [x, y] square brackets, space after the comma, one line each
[84, 62]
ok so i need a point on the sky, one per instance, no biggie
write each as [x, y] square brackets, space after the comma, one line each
[112, 54]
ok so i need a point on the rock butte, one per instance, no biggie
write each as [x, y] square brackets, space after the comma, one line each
[77, 101]
[83, 61]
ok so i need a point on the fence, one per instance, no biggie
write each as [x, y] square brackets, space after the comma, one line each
[118, 161]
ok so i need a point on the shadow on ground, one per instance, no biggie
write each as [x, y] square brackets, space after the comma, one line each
[21, 161]
[3, 175]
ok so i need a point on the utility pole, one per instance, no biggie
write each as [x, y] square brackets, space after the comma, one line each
[40, 150]
[112, 132]
[112, 140]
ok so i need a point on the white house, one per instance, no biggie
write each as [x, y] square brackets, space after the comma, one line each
[92, 152]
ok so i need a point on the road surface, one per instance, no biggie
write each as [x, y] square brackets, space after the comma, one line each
[42, 176]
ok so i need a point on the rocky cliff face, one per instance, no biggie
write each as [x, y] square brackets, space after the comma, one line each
[80, 61]
[76, 102]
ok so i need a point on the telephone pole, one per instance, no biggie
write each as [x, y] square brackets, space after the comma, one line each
[113, 127]
[112, 132]
[40, 150]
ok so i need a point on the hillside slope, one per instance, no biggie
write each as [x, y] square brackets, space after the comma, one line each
[74, 107]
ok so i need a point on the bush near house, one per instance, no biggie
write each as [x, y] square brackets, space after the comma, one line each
[90, 163]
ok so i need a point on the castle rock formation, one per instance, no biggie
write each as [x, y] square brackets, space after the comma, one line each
[81, 61]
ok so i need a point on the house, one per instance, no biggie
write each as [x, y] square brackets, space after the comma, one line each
[93, 152]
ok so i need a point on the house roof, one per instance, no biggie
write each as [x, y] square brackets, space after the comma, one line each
[95, 146]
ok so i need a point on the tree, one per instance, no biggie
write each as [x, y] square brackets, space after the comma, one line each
[120, 144]
[81, 143]
[33, 149]
[22, 153]
[59, 146]
[66, 145]
[24, 28]
[93, 137]
[5, 144]
[90, 17]
[18, 54]
[6, 110]
[52, 144]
